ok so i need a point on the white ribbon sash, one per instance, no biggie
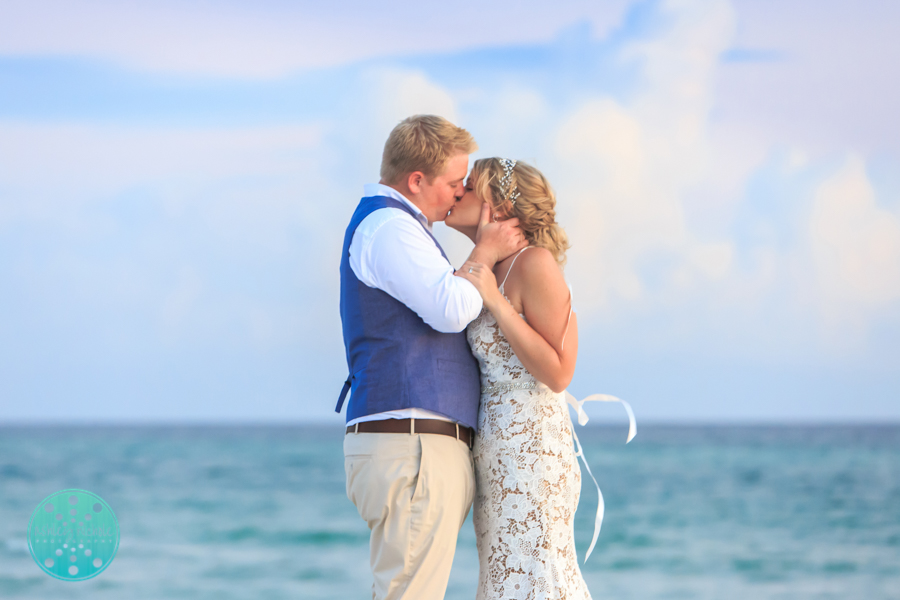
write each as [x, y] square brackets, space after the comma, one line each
[582, 419]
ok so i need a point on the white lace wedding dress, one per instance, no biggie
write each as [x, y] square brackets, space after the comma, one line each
[528, 481]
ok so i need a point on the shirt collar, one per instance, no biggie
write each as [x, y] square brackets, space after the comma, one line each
[379, 189]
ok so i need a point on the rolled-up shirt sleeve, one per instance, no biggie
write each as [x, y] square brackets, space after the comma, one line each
[396, 255]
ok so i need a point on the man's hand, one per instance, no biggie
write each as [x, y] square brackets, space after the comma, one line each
[495, 240]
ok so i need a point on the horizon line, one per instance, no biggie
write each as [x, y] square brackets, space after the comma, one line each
[149, 423]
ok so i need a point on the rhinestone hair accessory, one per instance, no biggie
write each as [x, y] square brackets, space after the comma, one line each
[508, 165]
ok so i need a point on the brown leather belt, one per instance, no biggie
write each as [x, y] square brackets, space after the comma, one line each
[465, 434]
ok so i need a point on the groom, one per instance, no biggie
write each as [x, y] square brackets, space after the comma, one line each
[414, 384]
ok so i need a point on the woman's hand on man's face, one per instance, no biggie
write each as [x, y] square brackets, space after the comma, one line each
[498, 239]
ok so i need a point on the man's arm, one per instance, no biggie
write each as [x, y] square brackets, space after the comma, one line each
[400, 258]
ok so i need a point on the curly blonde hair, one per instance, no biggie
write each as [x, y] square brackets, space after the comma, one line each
[535, 206]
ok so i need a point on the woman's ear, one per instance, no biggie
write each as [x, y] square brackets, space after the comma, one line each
[497, 215]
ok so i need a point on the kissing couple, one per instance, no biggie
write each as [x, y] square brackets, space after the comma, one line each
[457, 384]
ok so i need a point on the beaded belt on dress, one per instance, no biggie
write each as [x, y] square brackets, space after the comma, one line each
[506, 387]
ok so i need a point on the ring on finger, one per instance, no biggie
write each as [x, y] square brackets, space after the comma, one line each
[470, 269]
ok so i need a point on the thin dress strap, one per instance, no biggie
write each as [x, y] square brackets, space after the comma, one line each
[562, 345]
[571, 307]
[511, 266]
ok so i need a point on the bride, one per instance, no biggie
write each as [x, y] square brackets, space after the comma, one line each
[526, 340]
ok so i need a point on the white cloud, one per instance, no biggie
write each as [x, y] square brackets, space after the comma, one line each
[53, 170]
[855, 244]
[826, 87]
[396, 94]
[627, 168]
[713, 260]
[241, 248]
[270, 39]
[163, 225]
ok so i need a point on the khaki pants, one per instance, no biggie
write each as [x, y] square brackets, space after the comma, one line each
[414, 491]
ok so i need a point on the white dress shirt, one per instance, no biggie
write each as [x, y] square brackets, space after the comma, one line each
[390, 251]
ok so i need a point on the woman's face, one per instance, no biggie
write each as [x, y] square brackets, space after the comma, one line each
[464, 214]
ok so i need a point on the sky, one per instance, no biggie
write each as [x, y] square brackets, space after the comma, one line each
[176, 178]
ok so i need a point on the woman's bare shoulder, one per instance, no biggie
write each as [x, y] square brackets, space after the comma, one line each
[540, 267]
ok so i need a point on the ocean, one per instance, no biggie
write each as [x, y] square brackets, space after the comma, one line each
[260, 511]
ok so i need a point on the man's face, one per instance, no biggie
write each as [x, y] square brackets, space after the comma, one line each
[440, 195]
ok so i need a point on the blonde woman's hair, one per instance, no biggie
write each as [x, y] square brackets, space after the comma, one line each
[423, 143]
[535, 205]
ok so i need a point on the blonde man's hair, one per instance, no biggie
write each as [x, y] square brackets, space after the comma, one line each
[535, 205]
[423, 143]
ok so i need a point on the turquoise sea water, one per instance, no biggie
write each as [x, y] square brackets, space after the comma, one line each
[220, 512]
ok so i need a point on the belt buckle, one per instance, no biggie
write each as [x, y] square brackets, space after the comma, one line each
[471, 442]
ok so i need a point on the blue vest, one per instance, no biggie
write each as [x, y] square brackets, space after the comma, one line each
[395, 359]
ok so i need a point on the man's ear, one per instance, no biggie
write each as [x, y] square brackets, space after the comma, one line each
[414, 181]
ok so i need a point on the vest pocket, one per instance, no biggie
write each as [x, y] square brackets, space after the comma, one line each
[420, 479]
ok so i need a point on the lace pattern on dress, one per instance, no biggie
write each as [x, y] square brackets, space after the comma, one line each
[528, 481]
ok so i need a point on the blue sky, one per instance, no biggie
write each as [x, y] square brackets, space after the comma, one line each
[175, 179]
